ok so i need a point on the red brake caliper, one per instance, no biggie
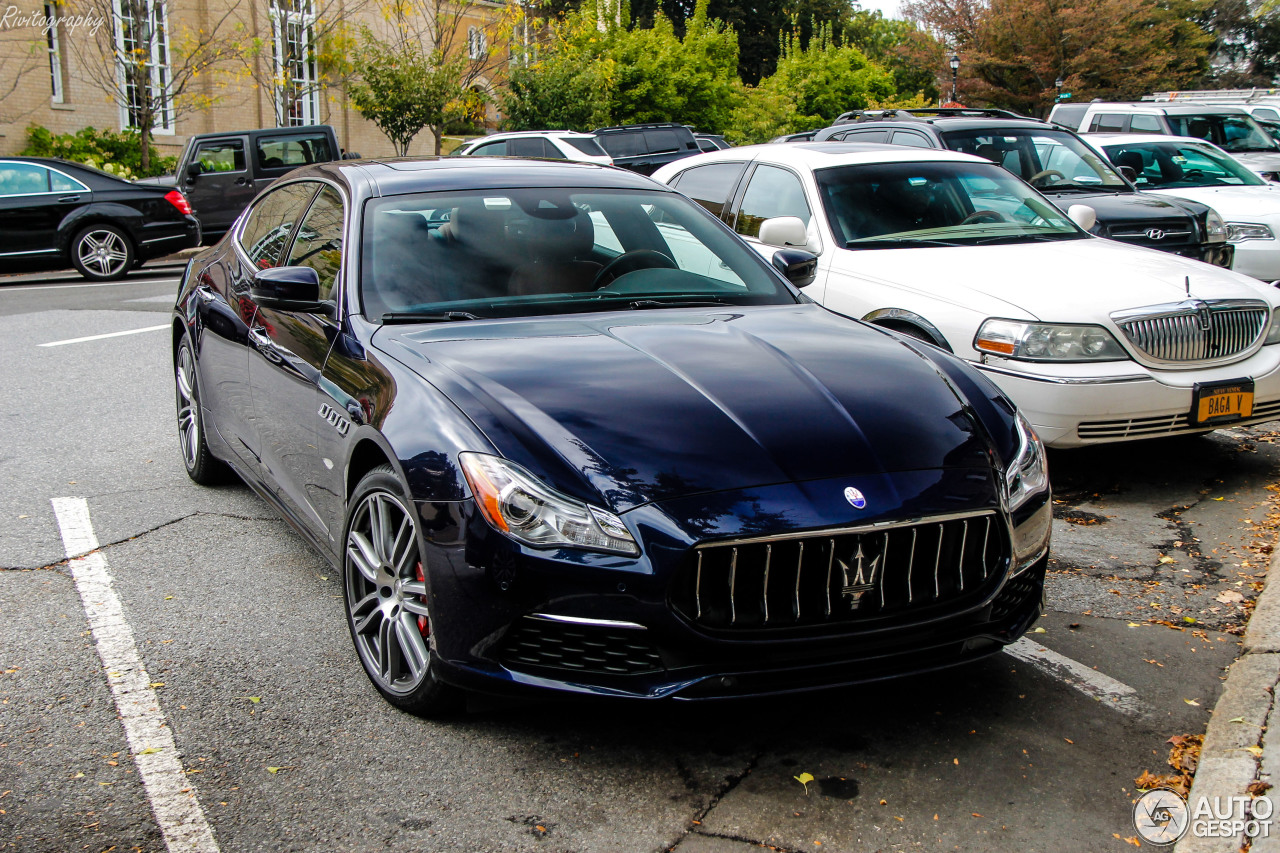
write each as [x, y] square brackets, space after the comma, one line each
[423, 625]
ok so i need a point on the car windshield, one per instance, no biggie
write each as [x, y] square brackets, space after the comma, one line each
[1233, 132]
[1047, 159]
[900, 205]
[1165, 165]
[513, 252]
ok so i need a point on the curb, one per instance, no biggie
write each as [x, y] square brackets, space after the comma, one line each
[1237, 751]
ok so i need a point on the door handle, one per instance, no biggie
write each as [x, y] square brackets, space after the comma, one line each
[67, 198]
[242, 181]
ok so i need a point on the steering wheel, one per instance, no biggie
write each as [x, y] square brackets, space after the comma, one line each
[980, 216]
[636, 259]
[1047, 173]
[1193, 173]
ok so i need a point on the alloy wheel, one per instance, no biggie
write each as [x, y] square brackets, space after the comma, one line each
[103, 252]
[386, 593]
[188, 419]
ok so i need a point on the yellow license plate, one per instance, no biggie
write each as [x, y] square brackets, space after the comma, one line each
[1224, 402]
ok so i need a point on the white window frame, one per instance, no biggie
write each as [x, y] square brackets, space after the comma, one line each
[54, 46]
[294, 20]
[158, 63]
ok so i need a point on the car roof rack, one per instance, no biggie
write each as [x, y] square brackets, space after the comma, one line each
[927, 114]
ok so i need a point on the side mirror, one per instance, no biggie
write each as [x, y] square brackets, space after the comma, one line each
[1083, 215]
[288, 289]
[1129, 173]
[194, 170]
[798, 266]
[784, 231]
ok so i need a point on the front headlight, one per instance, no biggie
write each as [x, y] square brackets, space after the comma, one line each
[1273, 333]
[1047, 341]
[1238, 232]
[521, 506]
[1028, 474]
[1215, 228]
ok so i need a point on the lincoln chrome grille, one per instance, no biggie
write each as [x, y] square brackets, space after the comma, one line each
[843, 576]
[1195, 330]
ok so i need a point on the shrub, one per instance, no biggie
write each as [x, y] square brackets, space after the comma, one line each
[118, 153]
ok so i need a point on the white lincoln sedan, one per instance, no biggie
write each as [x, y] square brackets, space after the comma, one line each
[1094, 340]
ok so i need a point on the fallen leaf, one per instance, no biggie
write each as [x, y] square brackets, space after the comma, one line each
[1135, 624]
[1070, 741]
[157, 684]
[1255, 751]
[884, 802]
[975, 814]
[1165, 558]
[804, 779]
[274, 770]
[151, 750]
[1133, 840]
[1190, 620]
[1229, 596]
[1039, 631]
[1219, 499]
[1192, 702]
[955, 761]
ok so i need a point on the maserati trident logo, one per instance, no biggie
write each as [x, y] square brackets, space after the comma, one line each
[860, 578]
[1155, 234]
[856, 499]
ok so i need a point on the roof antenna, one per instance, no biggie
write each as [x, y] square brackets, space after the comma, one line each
[1188, 287]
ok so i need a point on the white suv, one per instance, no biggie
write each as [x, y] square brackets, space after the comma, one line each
[1094, 340]
[549, 144]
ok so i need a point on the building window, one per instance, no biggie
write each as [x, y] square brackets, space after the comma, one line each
[142, 50]
[55, 51]
[297, 80]
[477, 43]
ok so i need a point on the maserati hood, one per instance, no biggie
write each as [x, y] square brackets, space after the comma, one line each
[1065, 281]
[642, 406]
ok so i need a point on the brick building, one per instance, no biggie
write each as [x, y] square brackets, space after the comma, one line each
[239, 64]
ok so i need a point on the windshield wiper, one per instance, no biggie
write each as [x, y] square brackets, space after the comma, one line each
[677, 302]
[1023, 238]
[441, 317]
[895, 244]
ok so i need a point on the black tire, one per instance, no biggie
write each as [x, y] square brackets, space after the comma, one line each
[102, 252]
[385, 593]
[202, 466]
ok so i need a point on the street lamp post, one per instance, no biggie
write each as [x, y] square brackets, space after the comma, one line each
[955, 67]
[1057, 85]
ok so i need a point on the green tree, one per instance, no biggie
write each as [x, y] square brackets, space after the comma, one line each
[404, 89]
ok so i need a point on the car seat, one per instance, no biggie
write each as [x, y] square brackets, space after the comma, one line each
[557, 249]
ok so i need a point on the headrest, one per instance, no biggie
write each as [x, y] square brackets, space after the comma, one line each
[560, 239]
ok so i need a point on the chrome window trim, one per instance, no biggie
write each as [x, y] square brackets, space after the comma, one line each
[47, 168]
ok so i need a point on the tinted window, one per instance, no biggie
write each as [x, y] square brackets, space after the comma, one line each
[270, 222]
[585, 144]
[623, 144]
[319, 241]
[1171, 164]
[1266, 113]
[1237, 132]
[226, 155]
[1145, 124]
[906, 137]
[286, 152]
[866, 136]
[771, 192]
[491, 149]
[550, 150]
[23, 178]
[710, 185]
[1108, 123]
[531, 146]
[658, 141]
[1047, 158]
[1069, 114]
[60, 183]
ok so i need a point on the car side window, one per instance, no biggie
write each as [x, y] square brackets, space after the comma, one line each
[23, 179]
[907, 137]
[551, 152]
[1109, 123]
[711, 185]
[491, 149]
[223, 155]
[270, 222]
[319, 241]
[1145, 124]
[771, 192]
[288, 152]
[1266, 114]
[530, 146]
[867, 136]
[61, 183]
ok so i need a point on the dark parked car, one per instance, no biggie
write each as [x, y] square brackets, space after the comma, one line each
[558, 427]
[711, 142]
[55, 214]
[222, 172]
[1060, 165]
[645, 148]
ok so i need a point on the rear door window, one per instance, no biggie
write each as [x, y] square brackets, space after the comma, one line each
[293, 150]
[867, 136]
[624, 144]
[1145, 124]
[491, 149]
[1109, 123]
[908, 137]
[711, 186]
[586, 145]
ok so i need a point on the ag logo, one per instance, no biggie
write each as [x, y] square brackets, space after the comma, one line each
[1161, 816]
[855, 498]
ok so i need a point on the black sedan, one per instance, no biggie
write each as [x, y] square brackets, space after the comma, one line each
[556, 426]
[56, 214]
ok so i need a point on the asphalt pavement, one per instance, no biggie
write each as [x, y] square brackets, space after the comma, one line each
[281, 743]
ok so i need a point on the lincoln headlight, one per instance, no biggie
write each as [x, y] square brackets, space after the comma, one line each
[1047, 341]
[1027, 478]
[524, 508]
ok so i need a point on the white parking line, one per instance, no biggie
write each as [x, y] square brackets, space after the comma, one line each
[172, 796]
[1090, 682]
[4, 289]
[102, 337]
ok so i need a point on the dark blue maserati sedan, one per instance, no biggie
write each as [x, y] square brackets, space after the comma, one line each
[558, 427]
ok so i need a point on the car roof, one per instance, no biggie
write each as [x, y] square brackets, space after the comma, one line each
[1112, 138]
[951, 122]
[819, 155]
[513, 133]
[1168, 109]
[393, 176]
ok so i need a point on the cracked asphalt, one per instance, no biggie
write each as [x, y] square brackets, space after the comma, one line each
[288, 748]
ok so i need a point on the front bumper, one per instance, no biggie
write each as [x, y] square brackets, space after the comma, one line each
[507, 618]
[1258, 258]
[1074, 405]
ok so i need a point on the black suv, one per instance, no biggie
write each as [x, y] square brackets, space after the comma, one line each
[645, 148]
[1057, 163]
